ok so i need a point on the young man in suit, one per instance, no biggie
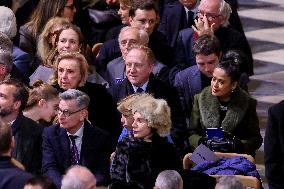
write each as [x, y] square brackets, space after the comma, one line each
[74, 141]
[13, 99]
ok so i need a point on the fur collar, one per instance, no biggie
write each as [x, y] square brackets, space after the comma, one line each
[209, 109]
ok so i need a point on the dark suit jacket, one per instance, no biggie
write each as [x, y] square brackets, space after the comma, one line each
[173, 20]
[11, 177]
[188, 84]
[274, 147]
[162, 91]
[157, 42]
[28, 138]
[95, 152]
[115, 72]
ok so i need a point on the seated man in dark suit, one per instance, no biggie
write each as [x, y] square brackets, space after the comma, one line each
[128, 36]
[75, 141]
[11, 177]
[13, 99]
[192, 80]
[143, 15]
[213, 19]
[139, 78]
[177, 16]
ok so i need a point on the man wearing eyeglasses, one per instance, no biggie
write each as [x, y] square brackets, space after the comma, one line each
[74, 141]
[213, 19]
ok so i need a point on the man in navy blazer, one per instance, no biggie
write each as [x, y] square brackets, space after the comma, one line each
[139, 66]
[75, 141]
[192, 80]
[175, 18]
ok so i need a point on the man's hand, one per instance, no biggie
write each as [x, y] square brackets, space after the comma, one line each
[202, 27]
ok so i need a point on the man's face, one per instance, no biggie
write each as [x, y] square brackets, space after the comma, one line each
[138, 68]
[7, 104]
[72, 122]
[211, 8]
[145, 20]
[127, 39]
[207, 64]
[188, 3]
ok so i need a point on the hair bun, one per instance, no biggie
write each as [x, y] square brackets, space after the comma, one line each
[37, 83]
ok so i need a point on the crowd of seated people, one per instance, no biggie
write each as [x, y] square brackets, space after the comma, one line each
[121, 118]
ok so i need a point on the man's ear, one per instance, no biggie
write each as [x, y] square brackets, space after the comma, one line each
[83, 115]
[17, 105]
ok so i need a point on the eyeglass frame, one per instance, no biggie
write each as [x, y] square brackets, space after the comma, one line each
[66, 112]
[209, 16]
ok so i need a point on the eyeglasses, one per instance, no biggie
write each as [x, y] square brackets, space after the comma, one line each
[71, 6]
[66, 112]
[130, 42]
[210, 16]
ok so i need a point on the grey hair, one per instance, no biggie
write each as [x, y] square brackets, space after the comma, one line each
[225, 11]
[8, 22]
[156, 112]
[169, 179]
[143, 35]
[74, 180]
[230, 182]
[82, 99]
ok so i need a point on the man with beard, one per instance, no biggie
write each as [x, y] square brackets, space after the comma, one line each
[27, 133]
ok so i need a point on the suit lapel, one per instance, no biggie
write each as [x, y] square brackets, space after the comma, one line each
[63, 150]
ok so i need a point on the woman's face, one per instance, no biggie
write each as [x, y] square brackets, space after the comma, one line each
[123, 12]
[140, 127]
[221, 85]
[69, 75]
[69, 10]
[127, 121]
[68, 41]
[50, 108]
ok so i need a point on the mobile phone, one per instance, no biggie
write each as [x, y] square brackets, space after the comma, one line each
[214, 132]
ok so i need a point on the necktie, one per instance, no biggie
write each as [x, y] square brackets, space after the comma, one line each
[139, 90]
[74, 151]
[190, 18]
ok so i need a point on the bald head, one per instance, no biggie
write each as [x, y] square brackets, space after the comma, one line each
[78, 177]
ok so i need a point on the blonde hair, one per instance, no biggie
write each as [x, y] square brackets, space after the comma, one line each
[44, 47]
[40, 90]
[124, 106]
[81, 60]
[156, 112]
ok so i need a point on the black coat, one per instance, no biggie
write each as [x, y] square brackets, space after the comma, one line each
[159, 90]
[140, 162]
[102, 109]
[274, 147]
[28, 148]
